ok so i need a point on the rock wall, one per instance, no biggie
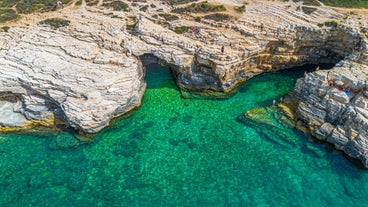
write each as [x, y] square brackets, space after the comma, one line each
[334, 105]
[208, 70]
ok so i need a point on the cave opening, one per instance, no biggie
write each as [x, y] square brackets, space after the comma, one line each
[157, 72]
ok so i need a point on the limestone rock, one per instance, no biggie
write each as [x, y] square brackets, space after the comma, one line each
[8, 115]
[91, 71]
[324, 131]
[339, 116]
[52, 73]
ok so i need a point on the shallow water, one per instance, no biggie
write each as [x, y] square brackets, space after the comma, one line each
[183, 152]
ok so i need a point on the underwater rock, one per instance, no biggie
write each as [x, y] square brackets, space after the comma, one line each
[270, 122]
[63, 141]
[173, 142]
[126, 148]
[191, 145]
[148, 124]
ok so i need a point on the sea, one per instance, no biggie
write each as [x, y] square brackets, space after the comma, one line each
[175, 151]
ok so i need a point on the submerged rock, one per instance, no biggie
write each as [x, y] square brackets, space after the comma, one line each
[270, 122]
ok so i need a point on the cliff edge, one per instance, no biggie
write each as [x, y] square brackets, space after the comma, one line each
[83, 62]
[334, 104]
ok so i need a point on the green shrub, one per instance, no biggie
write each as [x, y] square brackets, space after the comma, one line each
[7, 3]
[78, 3]
[177, 2]
[309, 2]
[7, 15]
[169, 17]
[346, 3]
[56, 22]
[133, 18]
[163, 23]
[181, 29]
[5, 28]
[331, 24]
[218, 17]
[144, 8]
[197, 19]
[91, 2]
[116, 16]
[117, 6]
[202, 7]
[308, 10]
[240, 9]
[29, 6]
[130, 26]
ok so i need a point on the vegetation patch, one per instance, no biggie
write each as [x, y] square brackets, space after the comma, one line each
[117, 6]
[56, 22]
[130, 26]
[181, 29]
[78, 3]
[337, 3]
[218, 17]
[144, 8]
[91, 2]
[331, 24]
[346, 3]
[163, 23]
[240, 9]
[169, 17]
[5, 29]
[29, 6]
[178, 2]
[309, 2]
[116, 16]
[133, 18]
[7, 15]
[198, 19]
[140, 1]
[308, 10]
[203, 7]
[8, 3]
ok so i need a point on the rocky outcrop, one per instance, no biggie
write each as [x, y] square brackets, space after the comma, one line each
[47, 72]
[90, 71]
[334, 105]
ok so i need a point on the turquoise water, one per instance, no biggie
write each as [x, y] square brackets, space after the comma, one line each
[182, 152]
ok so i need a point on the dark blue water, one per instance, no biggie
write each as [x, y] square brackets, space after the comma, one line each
[182, 152]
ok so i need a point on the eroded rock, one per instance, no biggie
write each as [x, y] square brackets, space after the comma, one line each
[342, 118]
[89, 72]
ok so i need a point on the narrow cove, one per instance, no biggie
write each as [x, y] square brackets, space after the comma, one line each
[183, 152]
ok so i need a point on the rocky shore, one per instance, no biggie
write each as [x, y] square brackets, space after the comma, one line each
[334, 105]
[90, 70]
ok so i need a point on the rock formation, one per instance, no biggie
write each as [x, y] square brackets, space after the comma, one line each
[334, 104]
[90, 71]
[46, 72]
